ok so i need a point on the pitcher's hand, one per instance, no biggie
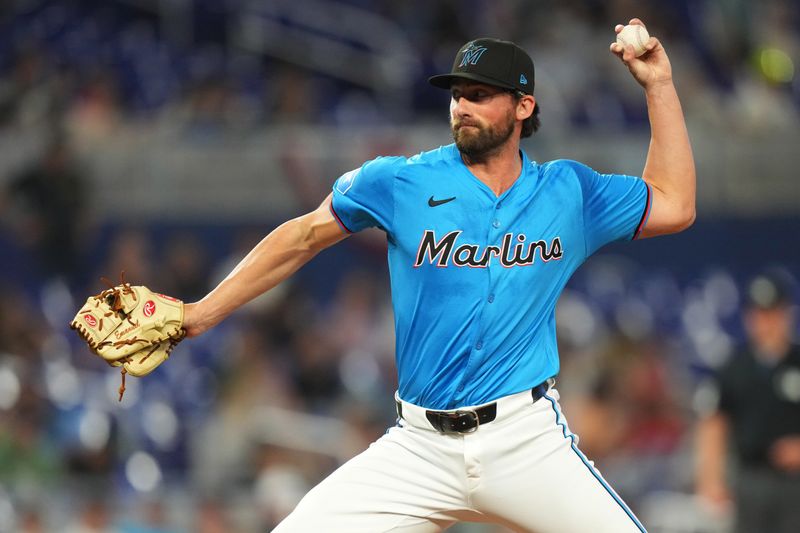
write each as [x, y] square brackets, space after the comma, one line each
[651, 68]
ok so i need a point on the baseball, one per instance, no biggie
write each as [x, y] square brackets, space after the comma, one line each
[635, 35]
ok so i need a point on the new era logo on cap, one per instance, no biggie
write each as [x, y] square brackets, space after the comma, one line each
[491, 61]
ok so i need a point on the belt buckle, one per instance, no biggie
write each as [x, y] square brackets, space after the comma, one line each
[471, 412]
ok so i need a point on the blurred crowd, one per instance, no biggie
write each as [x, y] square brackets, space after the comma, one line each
[220, 67]
[241, 422]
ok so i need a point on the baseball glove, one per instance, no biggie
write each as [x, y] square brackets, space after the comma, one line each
[130, 327]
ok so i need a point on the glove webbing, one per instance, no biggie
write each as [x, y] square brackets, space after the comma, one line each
[113, 294]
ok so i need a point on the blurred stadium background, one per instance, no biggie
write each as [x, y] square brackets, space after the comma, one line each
[166, 137]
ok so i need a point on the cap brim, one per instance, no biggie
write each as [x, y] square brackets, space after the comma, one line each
[443, 81]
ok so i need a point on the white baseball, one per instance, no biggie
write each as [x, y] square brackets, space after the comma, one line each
[635, 35]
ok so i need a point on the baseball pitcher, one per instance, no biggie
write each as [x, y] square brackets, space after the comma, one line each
[481, 242]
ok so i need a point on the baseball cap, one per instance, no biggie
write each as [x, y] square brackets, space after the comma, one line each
[490, 61]
[769, 289]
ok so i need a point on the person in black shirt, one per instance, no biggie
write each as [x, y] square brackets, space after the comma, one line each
[48, 210]
[758, 412]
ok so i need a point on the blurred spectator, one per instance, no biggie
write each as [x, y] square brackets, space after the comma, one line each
[96, 516]
[599, 417]
[27, 73]
[630, 407]
[92, 459]
[29, 460]
[18, 332]
[315, 371]
[32, 94]
[208, 111]
[149, 517]
[212, 518]
[31, 521]
[758, 412]
[49, 210]
[131, 252]
[184, 267]
[279, 484]
[96, 112]
[291, 98]
[351, 320]
[656, 424]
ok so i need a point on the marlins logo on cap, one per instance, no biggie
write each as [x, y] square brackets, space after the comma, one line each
[472, 54]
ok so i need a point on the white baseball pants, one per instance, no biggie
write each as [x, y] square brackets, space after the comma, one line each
[523, 470]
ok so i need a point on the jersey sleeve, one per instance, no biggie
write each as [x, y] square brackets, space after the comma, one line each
[364, 197]
[615, 206]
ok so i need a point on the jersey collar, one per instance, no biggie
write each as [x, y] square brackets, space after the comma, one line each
[524, 176]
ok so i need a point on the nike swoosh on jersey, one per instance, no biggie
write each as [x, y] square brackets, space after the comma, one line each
[434, 203]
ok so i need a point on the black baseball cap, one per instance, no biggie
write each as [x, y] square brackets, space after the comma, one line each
[490, 61]
[770, 289]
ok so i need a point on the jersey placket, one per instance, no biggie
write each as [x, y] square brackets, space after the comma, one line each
[478, 351]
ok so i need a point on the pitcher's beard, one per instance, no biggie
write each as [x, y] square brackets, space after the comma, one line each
[479, 142]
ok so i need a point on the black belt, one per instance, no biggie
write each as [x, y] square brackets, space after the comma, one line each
[468, 420]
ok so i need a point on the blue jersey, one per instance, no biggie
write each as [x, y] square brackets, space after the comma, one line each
[475, 277]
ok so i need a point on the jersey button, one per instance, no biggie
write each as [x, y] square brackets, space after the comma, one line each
[479, 345]
[496, 224]
[491, 298]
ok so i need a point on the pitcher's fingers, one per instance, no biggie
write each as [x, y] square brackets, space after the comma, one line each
[628, 54]
[618, 28]
[652, 44]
